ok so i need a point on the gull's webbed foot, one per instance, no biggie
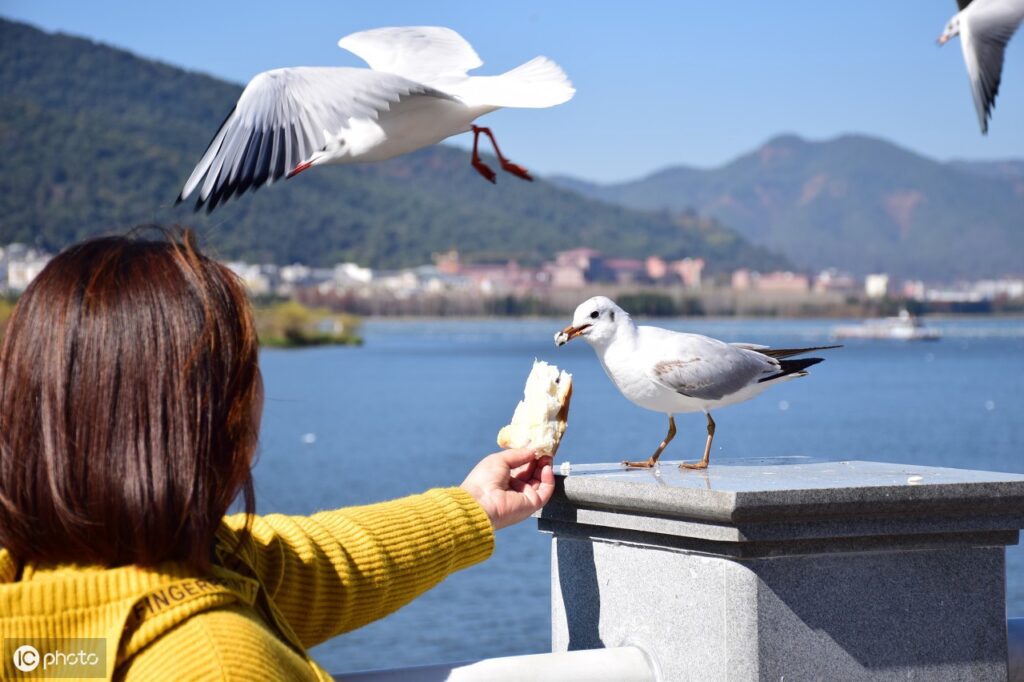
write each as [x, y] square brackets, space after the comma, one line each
[485, 170]
[703, 464]
[646, 464]
[516, 170]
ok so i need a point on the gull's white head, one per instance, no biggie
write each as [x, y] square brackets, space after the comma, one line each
[596, 321]
[952, 30]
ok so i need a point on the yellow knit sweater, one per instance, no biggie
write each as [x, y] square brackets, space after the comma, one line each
[303, 580]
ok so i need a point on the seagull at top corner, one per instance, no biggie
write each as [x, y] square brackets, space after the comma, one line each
[672, 372]
[415, 94]
[984, 27]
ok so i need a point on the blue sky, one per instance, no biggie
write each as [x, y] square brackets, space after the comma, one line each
[658, 83]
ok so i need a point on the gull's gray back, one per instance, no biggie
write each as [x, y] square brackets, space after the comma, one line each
[699, 366]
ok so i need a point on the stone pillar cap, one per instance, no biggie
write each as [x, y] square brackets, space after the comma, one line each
[787, 489]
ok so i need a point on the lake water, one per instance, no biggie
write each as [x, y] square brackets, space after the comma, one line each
[421, 403]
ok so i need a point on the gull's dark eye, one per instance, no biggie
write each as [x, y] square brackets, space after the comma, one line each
[594, 315]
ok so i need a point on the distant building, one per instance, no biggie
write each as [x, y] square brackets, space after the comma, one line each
[565, 276]
[686, 271]
[499, 278]
[783, 282]
[296, 273]
[582, 258]
[743, 280]
[1007, 287]
[402, 282]
[625, 270]
[689, 271]
[448, 261]
[20, 264]
[346, 274]
[21, 273]
[572, 269]
[913, 289]
[955, 294]
[258, 279]
[876, 285]
[657, 268]
[835, 280]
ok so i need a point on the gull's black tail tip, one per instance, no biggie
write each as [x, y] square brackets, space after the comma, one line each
[788, 367]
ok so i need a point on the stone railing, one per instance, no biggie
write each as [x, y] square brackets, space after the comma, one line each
[785, 569]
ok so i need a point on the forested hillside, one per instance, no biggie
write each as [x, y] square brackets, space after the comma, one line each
[94, 139]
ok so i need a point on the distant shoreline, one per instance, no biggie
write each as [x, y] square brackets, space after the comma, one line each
[311, 342]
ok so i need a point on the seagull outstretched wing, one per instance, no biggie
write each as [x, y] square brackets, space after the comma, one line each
[425, 54]
[440, 57]
[985, 29]
[282, 117]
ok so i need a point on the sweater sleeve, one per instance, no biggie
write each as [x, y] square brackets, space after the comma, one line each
[335, 571]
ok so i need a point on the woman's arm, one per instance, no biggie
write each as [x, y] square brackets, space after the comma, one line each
[334, 571]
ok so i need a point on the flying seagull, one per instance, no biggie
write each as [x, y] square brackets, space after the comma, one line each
[984, 27]
[415, 94]
[672, 372]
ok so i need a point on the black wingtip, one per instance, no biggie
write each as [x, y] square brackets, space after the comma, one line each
[788, 367]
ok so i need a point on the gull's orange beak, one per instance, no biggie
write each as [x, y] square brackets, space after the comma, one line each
[569, 333]
[298, 169]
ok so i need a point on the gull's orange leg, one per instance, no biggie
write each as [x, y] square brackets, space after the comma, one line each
[506, 165]
[653, 459]
[481, 167]
[703, 463]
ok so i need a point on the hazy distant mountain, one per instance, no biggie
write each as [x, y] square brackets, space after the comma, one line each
[855, 202]
[94, 139]
[1006, 170]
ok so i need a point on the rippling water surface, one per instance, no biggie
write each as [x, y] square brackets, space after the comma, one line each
[421, 402]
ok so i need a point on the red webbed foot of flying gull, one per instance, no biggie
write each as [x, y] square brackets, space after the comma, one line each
[484, 170]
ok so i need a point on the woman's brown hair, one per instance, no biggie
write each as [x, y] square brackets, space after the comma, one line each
[129, 405]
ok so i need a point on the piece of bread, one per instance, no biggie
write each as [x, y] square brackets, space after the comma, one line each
[543, 413]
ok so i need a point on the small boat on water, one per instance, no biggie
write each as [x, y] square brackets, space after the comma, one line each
[904, 327]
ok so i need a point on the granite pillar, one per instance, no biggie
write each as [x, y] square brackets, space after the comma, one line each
[787, 569]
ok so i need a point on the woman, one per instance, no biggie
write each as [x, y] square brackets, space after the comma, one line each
[130, 401]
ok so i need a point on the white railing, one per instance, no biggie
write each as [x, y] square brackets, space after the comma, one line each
[620, 664]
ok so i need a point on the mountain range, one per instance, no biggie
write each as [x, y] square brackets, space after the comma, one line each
[858, 203]
[94, 139]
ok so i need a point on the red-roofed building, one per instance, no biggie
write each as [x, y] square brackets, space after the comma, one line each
[626, 270]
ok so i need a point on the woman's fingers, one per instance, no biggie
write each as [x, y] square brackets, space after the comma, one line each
[525, 472]
[546, 488]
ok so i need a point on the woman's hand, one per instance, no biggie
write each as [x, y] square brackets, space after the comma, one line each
[510, 485]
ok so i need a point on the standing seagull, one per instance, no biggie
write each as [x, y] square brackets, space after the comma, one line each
[672, 372]
[415, 94]
[984, 27]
